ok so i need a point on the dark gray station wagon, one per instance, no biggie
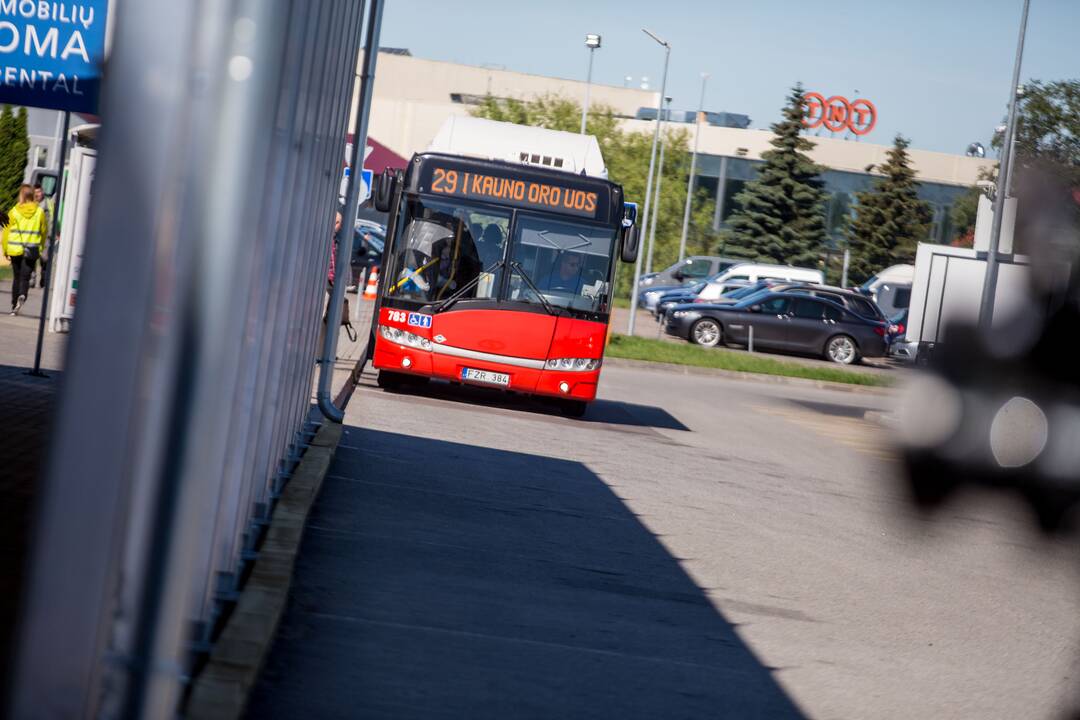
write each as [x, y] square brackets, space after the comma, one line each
[788, 322]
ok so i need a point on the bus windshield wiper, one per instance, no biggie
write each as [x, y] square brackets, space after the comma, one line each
[543, 300]
[445, 304]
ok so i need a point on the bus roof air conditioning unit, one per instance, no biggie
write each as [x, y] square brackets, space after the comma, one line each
[492, 140]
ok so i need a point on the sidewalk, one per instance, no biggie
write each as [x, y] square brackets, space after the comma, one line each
[26, 412]
[348, 353]
[26, 407]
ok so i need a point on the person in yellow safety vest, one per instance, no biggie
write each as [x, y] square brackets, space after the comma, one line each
[23, 242]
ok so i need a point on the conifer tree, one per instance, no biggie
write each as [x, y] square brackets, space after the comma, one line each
[779, 215]
[890, 219]
[14, 146]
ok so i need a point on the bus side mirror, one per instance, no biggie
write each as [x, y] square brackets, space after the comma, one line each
[383, 193]
[629, 244]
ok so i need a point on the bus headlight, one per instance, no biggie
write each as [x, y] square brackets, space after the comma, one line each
[401, 337]
[572, 364]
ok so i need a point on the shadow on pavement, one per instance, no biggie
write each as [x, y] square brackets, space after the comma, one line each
[824, 408]
[26, 412]
[439, 579]
[614, 412]
[600, 411]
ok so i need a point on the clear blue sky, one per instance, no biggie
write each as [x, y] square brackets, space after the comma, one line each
[938, 71]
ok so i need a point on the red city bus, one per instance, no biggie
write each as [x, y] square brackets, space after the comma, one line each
[498, 274]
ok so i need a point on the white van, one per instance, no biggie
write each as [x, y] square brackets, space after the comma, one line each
[891, 288]
[752, 272]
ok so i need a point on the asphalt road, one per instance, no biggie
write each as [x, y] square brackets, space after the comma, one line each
[694, 547]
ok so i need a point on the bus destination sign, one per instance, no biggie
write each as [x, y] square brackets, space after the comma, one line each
[514, 191]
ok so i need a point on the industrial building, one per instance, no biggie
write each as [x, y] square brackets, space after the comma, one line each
[414, 95]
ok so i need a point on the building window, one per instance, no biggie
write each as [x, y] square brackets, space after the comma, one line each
[41, 156]
[939, 224]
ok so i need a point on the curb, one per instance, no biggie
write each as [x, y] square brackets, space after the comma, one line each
[221, 689]
[753, 377]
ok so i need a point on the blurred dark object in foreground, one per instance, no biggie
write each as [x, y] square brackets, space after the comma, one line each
[1001, 409]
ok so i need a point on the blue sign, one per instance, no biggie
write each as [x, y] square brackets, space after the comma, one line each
[51, 53]
[366, 177]
[419, 320]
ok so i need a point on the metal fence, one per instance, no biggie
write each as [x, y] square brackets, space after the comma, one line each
[188, 381]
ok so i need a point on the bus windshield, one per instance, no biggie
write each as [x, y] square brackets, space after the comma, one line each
[568, 263]
[458, 251]
[446, 247]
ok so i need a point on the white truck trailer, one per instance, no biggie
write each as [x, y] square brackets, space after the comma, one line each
[948, 284]
[74, 210]
[947, 289]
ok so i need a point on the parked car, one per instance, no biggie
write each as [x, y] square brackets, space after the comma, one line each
[782, 321]
[691, 269]
[852, 300]
[901, 348]
[676, 296]
[752, 272]
[737, 293]
[649, 297]
[685, 294]
[740, 289]
[367, 251]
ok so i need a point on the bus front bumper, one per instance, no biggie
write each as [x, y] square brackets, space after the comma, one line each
[531, 380]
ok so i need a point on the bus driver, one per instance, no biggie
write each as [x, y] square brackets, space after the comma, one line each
[566, 276]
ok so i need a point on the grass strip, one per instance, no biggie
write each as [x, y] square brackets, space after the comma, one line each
[635, 348]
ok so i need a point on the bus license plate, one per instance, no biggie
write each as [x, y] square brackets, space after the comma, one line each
[484, 376]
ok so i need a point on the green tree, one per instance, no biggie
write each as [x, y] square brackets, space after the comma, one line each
[1048, 128]
[1046, 173]
[890, 219]
[14, 146]
[779, 215]
[626, 155]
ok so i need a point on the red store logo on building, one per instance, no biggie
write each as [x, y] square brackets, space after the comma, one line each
[838, 114]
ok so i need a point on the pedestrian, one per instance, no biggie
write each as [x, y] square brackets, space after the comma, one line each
[45, 204]
[331, 273]
[23, 243]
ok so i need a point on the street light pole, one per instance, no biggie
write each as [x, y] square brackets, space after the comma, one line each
[693, 166]
[986, 305]
[592, 42]
[648, 181]
[656, 197]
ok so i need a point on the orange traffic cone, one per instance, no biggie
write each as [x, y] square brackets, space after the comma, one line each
[372, 288]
